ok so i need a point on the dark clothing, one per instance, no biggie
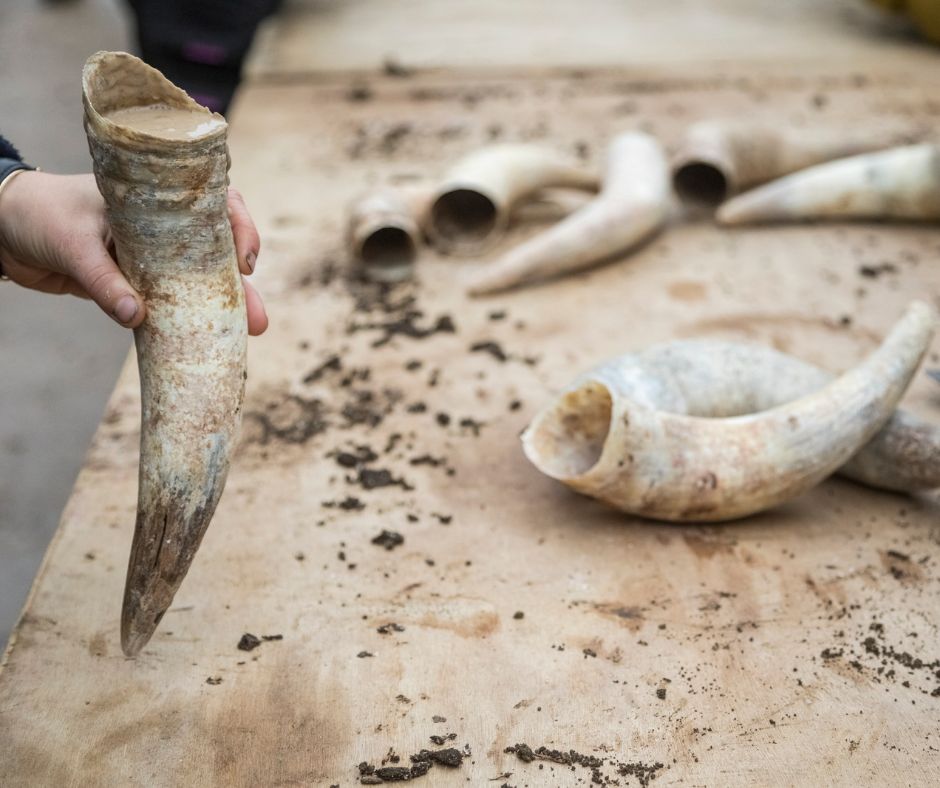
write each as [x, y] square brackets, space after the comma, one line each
[200, 46]
[10, 162]
[7, 151]
[10, 159]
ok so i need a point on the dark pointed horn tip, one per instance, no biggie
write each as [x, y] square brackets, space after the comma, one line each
[137, 627]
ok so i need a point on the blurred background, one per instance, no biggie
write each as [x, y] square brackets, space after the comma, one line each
[59, 356]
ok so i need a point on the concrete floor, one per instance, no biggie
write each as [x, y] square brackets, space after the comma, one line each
[59, 356]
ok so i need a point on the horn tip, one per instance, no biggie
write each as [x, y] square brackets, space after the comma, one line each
[135, 634]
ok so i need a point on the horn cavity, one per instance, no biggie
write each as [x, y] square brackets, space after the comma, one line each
[383, 233]
[717, 159]
[632, 205]
[470, 209]
[161, 164]
[698, 431]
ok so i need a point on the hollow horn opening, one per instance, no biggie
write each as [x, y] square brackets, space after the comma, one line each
[463, 215]
[567, 439]
[700, 181]
[388, 253]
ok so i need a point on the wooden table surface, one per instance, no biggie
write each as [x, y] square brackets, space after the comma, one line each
[797, 647]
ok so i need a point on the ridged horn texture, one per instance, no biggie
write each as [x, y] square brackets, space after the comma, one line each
[718, 159]
[632, 205]
[470, 210]
[707, 431]
[167, 207]
[900, 183]
[383, 232]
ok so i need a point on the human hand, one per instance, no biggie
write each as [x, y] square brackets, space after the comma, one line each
[54, 237]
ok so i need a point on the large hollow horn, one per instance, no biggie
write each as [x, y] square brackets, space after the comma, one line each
[695, 431]
[717, 159]
[901, 183]
[383, 232]
[470, 209]
[632, 205]
[166, 196]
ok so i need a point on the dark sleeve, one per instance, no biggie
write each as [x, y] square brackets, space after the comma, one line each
[7, 151]
[10, 162]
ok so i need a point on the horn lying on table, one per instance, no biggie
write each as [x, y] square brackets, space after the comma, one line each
[718, 159]
[166, 196]
[470, 210]
[708, 431]
[632, 205]
[383, 232]
[901, 183]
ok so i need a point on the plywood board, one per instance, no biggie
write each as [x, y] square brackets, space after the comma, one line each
[327, 36]
[797, 647]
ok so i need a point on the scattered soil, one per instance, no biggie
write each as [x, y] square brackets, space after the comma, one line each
[473, 425]
[405, 326]
[421, 764]
[599, 767]
[249, 642]
[358, 93]
[360, 456]
[295, 420]
[874, 271]
[373, 478]
[389, 540]
[491, 347]
[332, 364]
[348, 504]
[392, 68]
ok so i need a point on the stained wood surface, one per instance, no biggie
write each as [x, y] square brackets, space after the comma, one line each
[797, 647]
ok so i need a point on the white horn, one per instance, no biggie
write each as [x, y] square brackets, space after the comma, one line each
[717, 159]
[470, 209]
[695, 431]
[901, 183]
[161, 164]
[633, 204]
[383, 232]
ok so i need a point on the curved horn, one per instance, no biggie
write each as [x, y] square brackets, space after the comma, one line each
[632, 205]
[470, 209]
[161, 164]
[383, 232]
[696, 432]
[717, 159]
[901, 183]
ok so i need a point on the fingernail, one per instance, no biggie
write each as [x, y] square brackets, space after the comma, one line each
[250, 258]
[126, 309]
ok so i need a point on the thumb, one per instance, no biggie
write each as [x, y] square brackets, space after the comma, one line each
[98, 275]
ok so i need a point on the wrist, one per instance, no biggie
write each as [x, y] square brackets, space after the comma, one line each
[8, 187]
